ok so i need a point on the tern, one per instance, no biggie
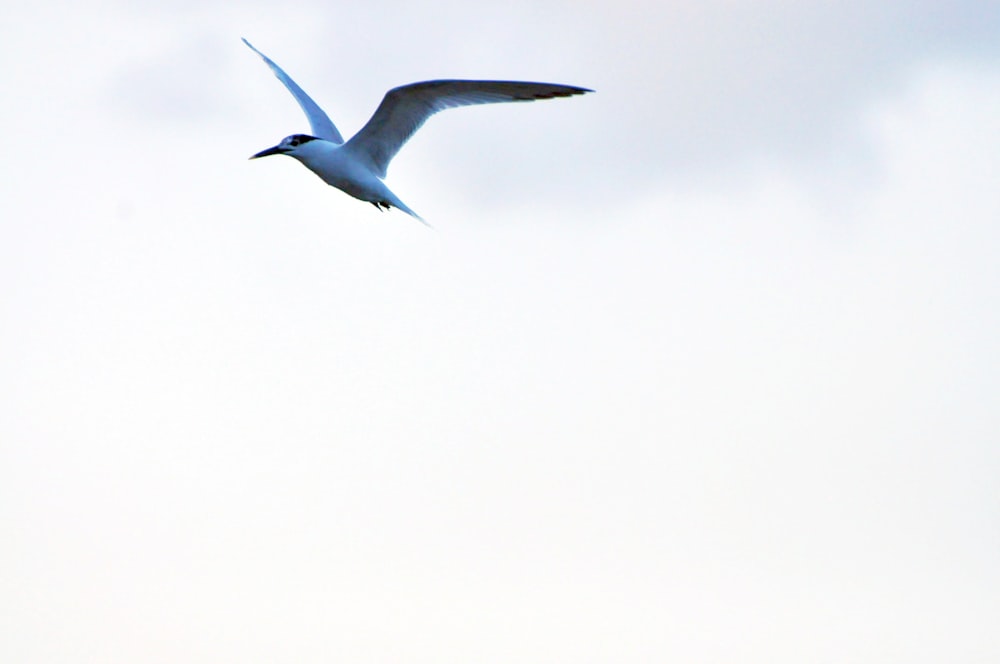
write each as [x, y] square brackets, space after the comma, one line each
[359, 166]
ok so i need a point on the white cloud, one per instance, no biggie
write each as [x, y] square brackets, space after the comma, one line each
[750, 420]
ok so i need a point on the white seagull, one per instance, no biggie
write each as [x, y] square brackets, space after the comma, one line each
[358, 166]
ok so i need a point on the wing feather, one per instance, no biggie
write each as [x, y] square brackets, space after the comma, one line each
[319, 122]
[405, 109]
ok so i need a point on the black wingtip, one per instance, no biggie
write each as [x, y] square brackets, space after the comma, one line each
[561, 92]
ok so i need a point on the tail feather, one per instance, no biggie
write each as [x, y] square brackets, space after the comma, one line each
[402, 206]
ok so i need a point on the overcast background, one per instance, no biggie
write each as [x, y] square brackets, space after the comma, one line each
[700, 368]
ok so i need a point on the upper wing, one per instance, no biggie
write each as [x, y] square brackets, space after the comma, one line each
[321, 125]
[404, 109]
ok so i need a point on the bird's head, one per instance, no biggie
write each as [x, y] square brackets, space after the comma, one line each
[289, 145]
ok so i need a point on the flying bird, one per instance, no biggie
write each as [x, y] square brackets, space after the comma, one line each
[358, 166]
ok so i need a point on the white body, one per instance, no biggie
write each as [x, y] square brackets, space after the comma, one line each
[338, 167]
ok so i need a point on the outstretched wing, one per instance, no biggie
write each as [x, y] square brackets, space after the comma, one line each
[404, 109]
[321, 125]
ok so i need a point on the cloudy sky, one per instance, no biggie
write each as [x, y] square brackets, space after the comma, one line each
[700, 368]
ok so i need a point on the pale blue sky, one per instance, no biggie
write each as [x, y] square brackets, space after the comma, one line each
[700, 368]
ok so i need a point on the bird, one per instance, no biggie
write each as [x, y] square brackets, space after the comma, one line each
[358, 167]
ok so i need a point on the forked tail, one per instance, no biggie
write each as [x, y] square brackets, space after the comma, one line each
[402, 206]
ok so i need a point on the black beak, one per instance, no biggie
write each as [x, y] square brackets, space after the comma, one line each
[265, 153]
